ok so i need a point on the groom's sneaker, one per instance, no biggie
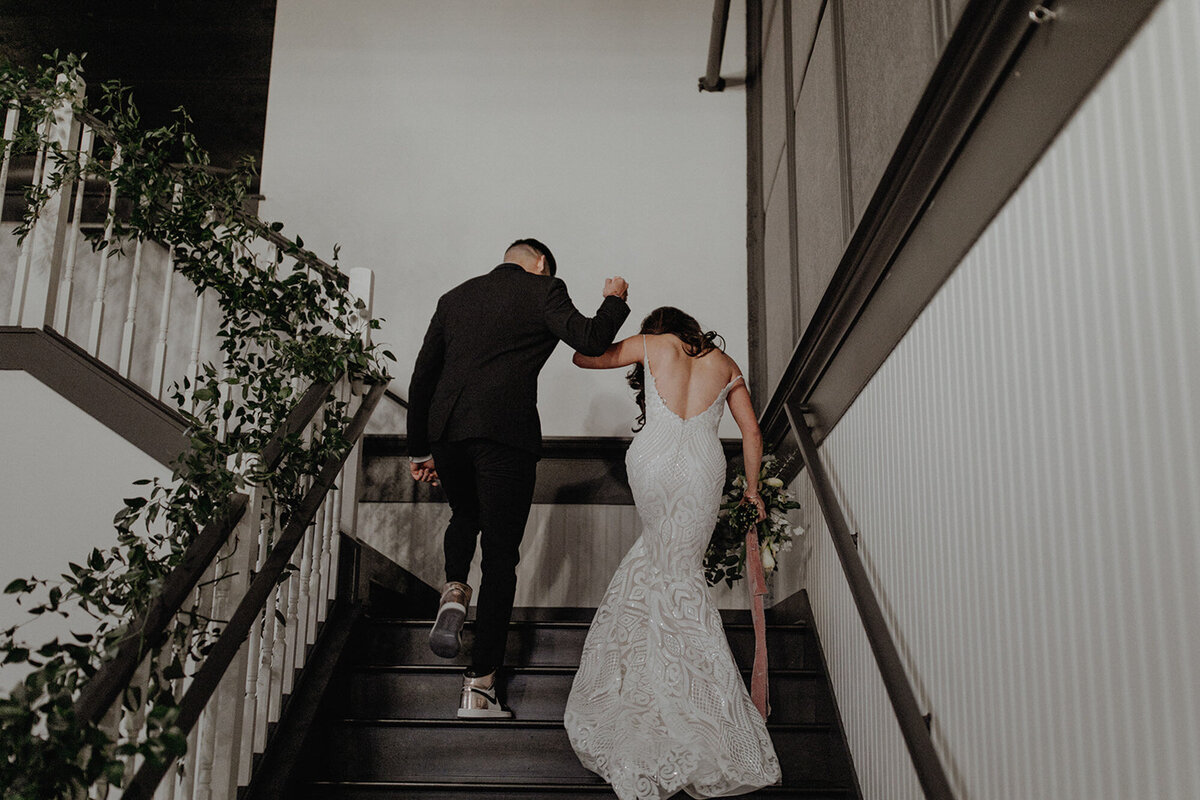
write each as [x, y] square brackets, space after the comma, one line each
[479, 699]
[445, 638]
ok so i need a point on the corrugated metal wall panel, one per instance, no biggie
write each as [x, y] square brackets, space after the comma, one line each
[1025, 472]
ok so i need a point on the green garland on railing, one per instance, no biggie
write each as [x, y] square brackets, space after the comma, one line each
[278, 334]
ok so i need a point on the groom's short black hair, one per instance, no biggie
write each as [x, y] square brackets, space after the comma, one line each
[551, 265]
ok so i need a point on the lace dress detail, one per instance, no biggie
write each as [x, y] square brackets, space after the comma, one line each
[658, 704]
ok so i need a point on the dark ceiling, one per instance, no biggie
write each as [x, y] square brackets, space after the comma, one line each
[213, 57]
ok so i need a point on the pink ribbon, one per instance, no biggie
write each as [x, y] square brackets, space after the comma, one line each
[758, 589]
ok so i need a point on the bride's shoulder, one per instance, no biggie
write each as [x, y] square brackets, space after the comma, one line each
[730, 366]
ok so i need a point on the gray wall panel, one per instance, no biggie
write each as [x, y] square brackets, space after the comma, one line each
[889, 52]
[777, 279]
[774, 100]
[818, 213]
[768, 12]
[1023, 469]
[806, 17]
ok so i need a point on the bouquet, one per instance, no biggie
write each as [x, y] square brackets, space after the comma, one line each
[726, 556]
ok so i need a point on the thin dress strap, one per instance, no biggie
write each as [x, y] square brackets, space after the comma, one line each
[645, 353]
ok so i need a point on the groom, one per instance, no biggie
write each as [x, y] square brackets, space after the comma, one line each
[473, 426]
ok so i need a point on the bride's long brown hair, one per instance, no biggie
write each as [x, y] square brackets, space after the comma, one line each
[696, 342]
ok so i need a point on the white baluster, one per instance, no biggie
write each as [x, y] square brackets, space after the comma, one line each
[257, 690]
[362, 287]
[279, 667]
[26, 254]
[62, 309]
[291, 632]
[187, 781]
[272, 668]
[97, 321]
[327, 565]
[135, 721]
[35, 294]
[110, 725]
[168, 786]
[126, 359]
[193, 367]
[304, 602]
[209, 606]
[231, 693]
[158, 377]
[335, 544]
[11, 118]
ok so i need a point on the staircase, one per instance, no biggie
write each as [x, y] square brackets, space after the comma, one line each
[387, 726]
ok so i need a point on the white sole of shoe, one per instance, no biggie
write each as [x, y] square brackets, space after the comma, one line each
[483, 713]
[444, 639]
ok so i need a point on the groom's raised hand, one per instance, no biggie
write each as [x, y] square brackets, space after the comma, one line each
[616, 287]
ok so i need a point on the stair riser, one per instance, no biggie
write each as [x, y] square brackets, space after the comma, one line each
[534, 696]
[456, 752]
[390, 644]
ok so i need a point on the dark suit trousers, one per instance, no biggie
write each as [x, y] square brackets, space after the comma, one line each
[490, 489]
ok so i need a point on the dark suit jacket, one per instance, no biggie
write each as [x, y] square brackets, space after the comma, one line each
[477, 372]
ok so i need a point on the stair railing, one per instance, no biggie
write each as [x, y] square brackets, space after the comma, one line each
[914, 726]
[263, 572]
[272, 581]
[153, 338]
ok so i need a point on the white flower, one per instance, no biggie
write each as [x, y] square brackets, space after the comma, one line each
[776, 482]
[798, 530]
[768, 560]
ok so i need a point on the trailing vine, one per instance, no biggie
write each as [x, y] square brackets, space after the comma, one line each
[280, 332]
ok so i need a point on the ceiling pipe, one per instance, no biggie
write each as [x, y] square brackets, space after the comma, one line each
[712, 80]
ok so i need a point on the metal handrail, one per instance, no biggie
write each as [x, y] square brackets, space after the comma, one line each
[914, 726]
[712, 81]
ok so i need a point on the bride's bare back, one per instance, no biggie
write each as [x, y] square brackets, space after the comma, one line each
[688, 385]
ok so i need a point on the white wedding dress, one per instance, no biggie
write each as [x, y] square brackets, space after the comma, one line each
[658, 704]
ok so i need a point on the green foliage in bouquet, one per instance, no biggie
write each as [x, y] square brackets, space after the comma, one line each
[725, 559]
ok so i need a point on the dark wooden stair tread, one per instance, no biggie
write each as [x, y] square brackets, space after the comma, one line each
[389, 730]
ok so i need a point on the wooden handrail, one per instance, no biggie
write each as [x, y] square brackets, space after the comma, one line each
[146, 631]
[225, 649]
[913, 725]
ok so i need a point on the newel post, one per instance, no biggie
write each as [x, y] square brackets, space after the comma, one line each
[36, 289]
[362, 287]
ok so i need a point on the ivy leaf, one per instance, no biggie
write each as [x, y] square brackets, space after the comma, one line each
[19, 585]
[15, 655]
[174, 670]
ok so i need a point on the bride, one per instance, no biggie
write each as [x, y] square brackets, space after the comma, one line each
[658, 704]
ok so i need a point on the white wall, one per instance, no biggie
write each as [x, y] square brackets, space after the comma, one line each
[62, 478]
[1025, 473]
[425, 136]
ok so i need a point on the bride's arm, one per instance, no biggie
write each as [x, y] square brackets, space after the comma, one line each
[743, 414]
[619, 354]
